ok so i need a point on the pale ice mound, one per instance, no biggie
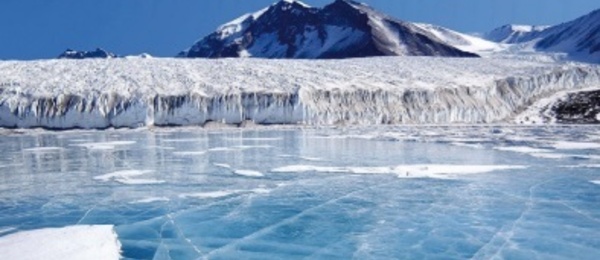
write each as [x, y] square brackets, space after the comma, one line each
[72, 242]
[282, 192]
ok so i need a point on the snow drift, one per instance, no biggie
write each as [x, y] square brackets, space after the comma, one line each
[65, 94]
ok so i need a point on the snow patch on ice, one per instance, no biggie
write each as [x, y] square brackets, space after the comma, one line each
[575, 145]
[446, 171]
[309, 168]
[105, 145]
[72, 242]
[245, 147]
[185, 140]
[222, 149]
[468, 145]
[249, 173]
[522, 149]
[314, 159]
[403, 171]
[222, 165]
[189, 153]
[139, 181]
[305, 158]
[564, 156]
[43, 149]
[254, 139]
[126, 177]
[582, 166]
[150, 200]
[222, 193]
[208, 195]
[121, 175]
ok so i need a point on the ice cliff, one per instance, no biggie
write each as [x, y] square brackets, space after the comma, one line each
[66, 94]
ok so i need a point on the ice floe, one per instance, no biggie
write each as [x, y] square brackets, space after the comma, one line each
[72, 242]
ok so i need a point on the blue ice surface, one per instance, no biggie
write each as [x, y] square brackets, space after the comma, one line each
[197, 207]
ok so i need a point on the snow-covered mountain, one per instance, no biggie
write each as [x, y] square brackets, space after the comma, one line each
[513, 33]
[78, 55]
[342, 29]
[578, 39]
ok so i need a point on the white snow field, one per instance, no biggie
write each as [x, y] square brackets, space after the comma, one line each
[68, 243]
[65, 94]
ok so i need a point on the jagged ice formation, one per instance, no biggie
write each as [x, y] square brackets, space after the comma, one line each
[65, 94]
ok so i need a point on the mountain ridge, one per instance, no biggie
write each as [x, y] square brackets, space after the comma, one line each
[579, 39]
[342, 29]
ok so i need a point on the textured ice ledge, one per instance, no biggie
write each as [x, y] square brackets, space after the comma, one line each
[74, 242]
[399, 90]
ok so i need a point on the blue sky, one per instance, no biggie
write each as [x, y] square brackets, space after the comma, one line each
[34, 29]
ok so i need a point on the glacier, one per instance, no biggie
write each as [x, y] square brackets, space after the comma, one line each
[65, 94]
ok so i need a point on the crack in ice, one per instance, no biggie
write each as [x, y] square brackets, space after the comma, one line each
[86, 214]
[507, 235]
[291, 219]
[182, 235]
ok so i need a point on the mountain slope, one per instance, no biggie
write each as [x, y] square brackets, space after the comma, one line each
[513, 33]
[343, 29]
[462, 41]
[578, 39]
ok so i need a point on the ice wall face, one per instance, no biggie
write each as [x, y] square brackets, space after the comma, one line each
[401, 90]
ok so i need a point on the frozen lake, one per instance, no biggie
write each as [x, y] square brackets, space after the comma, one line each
[266, 193]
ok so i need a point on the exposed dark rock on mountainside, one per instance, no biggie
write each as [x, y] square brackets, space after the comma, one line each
[98, 53]
[343, 29]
